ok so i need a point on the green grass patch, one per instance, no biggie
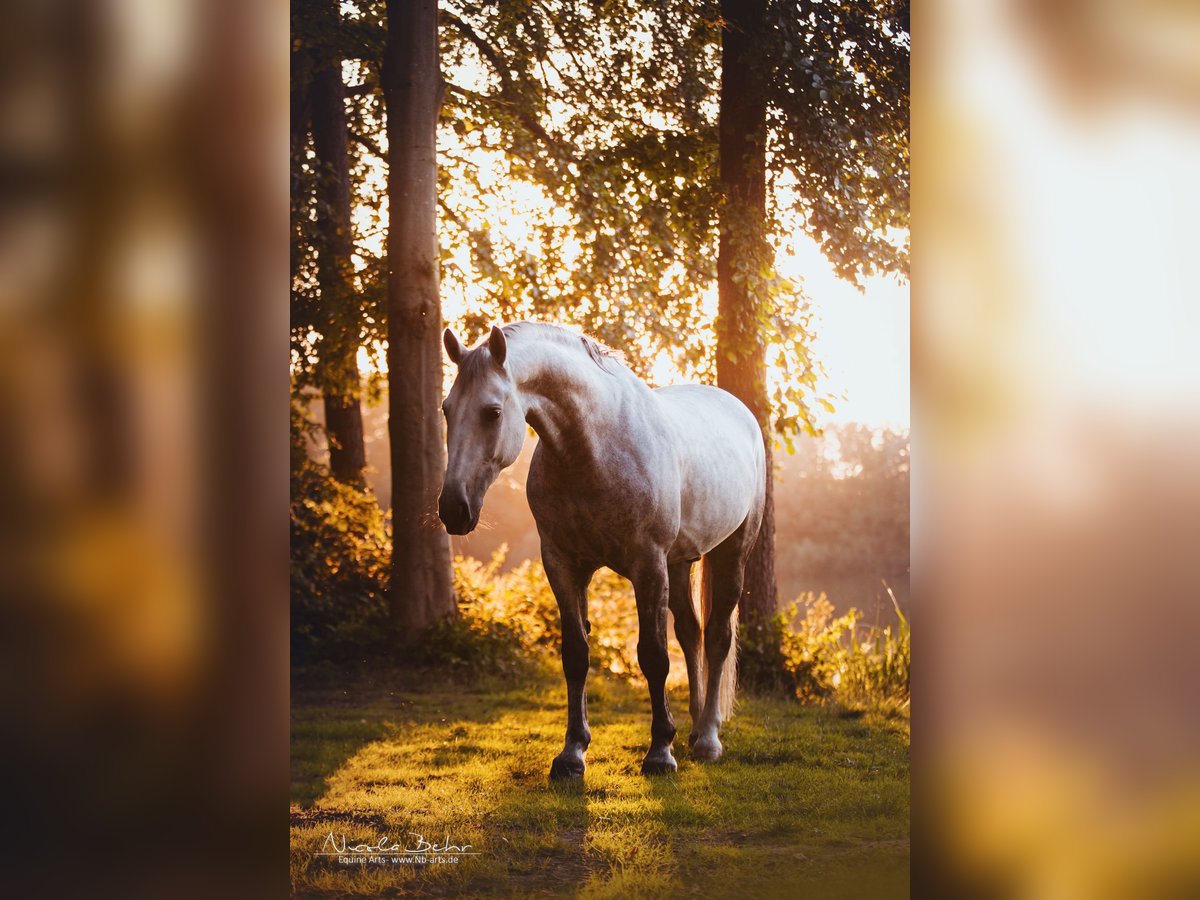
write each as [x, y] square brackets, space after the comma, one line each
[808, 800]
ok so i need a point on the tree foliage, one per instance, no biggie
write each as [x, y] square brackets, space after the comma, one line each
[594, 126]
[609, 111]
[600, 108]
[838, 117]
[321, 34]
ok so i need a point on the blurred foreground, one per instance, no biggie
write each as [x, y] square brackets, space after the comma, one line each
[143, 383]
[1056, 447]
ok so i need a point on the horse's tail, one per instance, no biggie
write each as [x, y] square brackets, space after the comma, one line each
[728, 688]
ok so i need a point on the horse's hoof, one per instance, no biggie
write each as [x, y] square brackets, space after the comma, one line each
[565, 768]
[659, 762]
[707, 749]
[692, 738]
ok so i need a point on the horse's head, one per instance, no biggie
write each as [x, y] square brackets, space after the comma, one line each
[485, 428]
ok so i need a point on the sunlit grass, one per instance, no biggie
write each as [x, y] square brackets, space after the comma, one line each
[808, 801]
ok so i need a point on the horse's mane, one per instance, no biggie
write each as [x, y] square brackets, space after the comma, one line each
[603, 356]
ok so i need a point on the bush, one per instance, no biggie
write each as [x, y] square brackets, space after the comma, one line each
[340, 559]
[509, 621]
[827, 658]
[494, 633]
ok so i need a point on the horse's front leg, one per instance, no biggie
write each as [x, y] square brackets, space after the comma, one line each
[569, 582]
[650, 586]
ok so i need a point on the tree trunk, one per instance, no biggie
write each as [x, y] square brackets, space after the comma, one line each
[339, 344]
[742, 252]
[298, 123]
[421, 588]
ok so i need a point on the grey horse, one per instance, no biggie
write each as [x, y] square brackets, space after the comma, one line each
[643, 481]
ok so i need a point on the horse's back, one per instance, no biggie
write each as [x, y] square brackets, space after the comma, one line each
[722, 463]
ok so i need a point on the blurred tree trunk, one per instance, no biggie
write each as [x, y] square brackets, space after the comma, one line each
[742, 253]
[412, 84]
[339, 344]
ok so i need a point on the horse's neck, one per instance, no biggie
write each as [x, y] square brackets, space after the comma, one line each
[569, 400]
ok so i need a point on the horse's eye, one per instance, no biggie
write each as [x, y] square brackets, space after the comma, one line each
[491, 413]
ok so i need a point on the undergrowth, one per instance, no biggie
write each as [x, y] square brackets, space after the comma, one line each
[807, 651]
[508, 621]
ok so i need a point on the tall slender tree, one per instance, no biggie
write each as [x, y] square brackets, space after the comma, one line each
[412, 83]
[743, 258]
[340, 308]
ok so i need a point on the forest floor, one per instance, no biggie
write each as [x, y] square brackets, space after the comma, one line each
[808, 801]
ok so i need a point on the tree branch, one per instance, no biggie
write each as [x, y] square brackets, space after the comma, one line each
[508, 86]
[367, 144]
[450, 214]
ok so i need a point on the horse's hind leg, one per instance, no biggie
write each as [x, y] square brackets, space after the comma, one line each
[687, 630]
[728, 560]
[569, 582]
[651, 589]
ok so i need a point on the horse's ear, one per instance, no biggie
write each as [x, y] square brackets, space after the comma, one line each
[453, 348]
[497, 345]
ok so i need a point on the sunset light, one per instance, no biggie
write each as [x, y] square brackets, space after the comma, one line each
[659, 453]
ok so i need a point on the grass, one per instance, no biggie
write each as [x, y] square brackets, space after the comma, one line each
[808, 800]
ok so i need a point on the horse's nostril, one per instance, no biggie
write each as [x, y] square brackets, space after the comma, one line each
[455, 510]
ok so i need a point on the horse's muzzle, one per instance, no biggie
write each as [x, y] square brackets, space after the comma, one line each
[455, 511]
